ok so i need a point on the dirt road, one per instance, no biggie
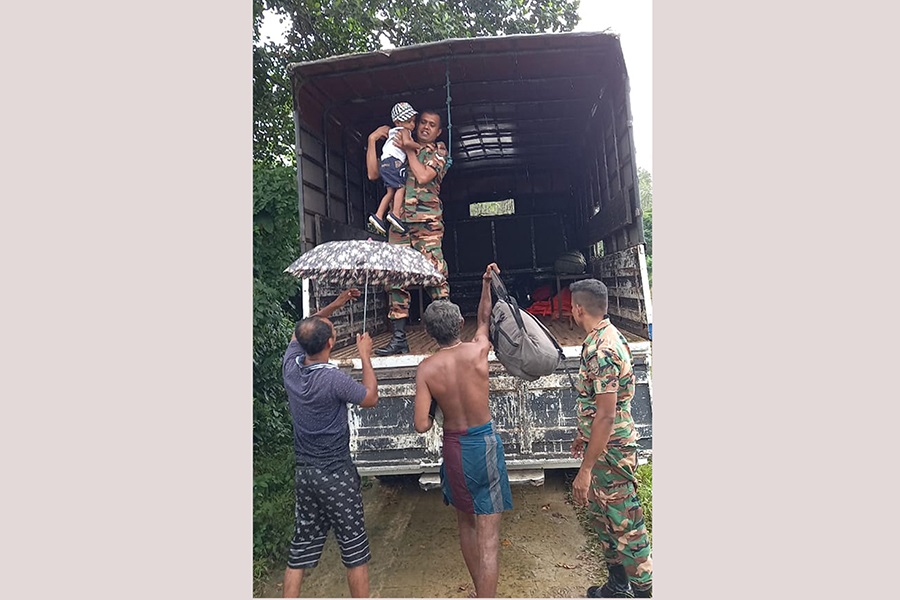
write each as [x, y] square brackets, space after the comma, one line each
[415, 548]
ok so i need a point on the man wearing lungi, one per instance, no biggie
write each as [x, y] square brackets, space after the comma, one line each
[606, 440]
[473, 474]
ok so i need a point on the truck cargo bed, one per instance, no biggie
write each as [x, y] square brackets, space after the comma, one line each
[543, 164]
[565, 332]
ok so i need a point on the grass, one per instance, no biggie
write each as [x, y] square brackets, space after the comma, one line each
[645, 494]
[273, 512]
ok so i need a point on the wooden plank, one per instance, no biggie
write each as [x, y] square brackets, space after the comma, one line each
[613, 264]
[313, 174]
[611, 218]
[421, 343]
[333, 230]
[336, 187]
[626, 292]
[312, 146]
[627, 313]
[313, 200]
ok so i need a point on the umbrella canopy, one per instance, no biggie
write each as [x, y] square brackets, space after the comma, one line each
[355, 262]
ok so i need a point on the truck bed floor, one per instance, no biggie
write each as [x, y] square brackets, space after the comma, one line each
[421, 343]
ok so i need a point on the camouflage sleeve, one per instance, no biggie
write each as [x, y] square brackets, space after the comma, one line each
[604, 372]
[431, 158]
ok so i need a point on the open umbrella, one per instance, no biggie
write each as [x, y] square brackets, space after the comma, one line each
[352, 262]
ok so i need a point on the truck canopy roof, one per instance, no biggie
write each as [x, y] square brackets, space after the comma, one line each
[516, 100]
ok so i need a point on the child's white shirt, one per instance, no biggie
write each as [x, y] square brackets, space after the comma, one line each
[392, 150]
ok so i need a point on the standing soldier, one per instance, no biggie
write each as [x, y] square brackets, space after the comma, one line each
[606, 478]
[424, 216]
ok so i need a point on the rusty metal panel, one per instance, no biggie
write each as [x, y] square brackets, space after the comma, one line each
[313, 174]
[312, 147]
[625, 276]
[314, 200]
[536, 420]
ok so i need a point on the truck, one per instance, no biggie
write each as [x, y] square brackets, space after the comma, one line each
[539, 131]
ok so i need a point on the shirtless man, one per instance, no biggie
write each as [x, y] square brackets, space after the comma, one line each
[473, 474]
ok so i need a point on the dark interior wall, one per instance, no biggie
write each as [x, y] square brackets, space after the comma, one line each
[543, 120]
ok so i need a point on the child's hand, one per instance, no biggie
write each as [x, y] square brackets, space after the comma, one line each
[406, 141]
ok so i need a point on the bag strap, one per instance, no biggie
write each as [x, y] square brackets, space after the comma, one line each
[502, 294]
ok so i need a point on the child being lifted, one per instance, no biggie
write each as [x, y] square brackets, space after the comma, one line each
[393, 169]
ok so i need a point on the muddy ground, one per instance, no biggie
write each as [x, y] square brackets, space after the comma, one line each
[415, 549]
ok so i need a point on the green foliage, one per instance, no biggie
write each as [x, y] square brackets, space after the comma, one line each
[645, 188]
[275, 246]
[320, 29]
[644, 475]
[324, 28]
[276, 228]
[273, 510]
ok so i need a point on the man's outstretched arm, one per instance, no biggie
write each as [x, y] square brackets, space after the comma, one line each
[485, 304]
[372, 171]
[338, 302]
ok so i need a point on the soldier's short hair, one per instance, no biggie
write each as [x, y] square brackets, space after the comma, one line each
[590, 294]
[443, 321]
[313, 334]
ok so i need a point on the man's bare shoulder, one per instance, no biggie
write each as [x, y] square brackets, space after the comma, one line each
[480, 346]
[430, 363]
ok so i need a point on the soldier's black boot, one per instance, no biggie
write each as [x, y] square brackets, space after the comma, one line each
[616, 586]
[398, 343]
[648, 593]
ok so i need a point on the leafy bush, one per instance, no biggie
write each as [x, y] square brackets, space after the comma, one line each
[645, 493]
[275, 246]
[273, 511]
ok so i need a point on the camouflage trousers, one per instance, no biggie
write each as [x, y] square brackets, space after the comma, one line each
[426, 237]
[617, 517]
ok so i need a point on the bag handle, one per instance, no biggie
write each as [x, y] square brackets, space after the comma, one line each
[497, 286]
[502, 294]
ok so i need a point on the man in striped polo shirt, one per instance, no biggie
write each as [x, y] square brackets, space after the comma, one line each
[326, 480]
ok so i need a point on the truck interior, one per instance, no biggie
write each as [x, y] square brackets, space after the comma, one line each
[539, 130]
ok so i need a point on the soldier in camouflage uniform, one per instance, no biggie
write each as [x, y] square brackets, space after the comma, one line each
[423, 215]
[607, 439]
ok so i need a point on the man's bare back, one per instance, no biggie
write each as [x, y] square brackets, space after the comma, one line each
[457, 378]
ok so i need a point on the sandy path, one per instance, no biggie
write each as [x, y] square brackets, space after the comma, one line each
[415, 549]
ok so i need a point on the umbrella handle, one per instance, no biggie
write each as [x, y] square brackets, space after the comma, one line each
[365, 302]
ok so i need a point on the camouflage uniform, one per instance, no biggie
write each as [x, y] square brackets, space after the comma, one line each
[606, 366]
[423, 213]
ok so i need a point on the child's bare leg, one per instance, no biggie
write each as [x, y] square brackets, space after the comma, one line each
[398, 202]
[385, 203]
